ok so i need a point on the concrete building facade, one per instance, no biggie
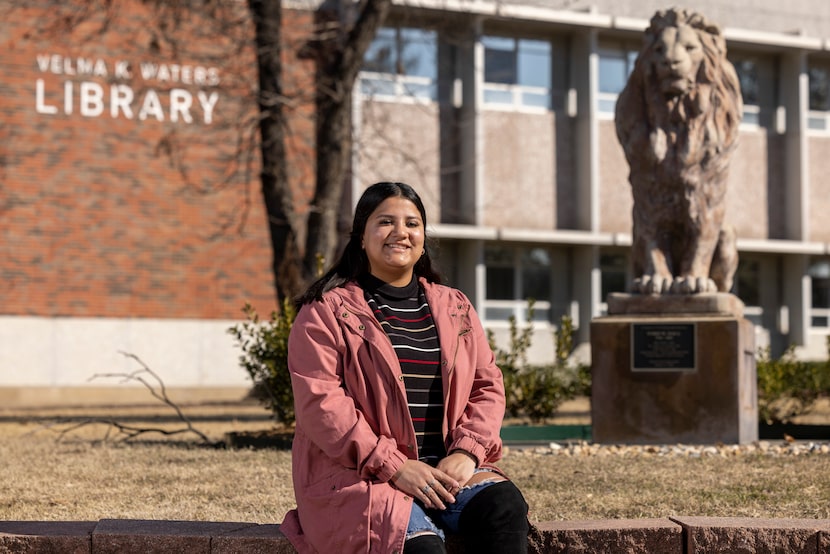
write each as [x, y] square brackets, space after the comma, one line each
[131, 218]
[514, 147]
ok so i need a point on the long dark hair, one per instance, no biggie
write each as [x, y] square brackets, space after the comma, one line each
[353, 262]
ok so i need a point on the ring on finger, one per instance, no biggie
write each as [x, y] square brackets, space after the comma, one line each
[431, 483]
[426, 490]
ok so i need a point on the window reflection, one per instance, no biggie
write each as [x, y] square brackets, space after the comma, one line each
[819, 117]
[401, 62]
[615, 65]
[614, 273]
[819, 89]
[534, 63]
[748, 282]
[748, 78]
[514, 276]
[500, 273]
[517, 71]
[614, 68]
[381, 55]
[820, 288]
[418, 53]
[499, 60]
[747, 71]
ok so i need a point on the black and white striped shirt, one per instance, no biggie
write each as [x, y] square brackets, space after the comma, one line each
[404, 314]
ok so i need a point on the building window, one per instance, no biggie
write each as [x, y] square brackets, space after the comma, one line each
[515, 275]
[614, 273]
[748, 282]
[614, 277]
[820, 287]
[517, 72]
[747, 287]
[819, 116]
[747, 70]
[401, 63]
[615, 65]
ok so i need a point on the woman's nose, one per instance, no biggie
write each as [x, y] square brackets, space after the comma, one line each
[399, 227]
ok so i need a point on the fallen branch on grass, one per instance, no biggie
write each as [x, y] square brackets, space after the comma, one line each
[126, 433]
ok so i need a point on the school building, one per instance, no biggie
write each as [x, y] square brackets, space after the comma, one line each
[131, 219]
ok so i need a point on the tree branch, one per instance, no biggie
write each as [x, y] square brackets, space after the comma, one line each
[130, 432]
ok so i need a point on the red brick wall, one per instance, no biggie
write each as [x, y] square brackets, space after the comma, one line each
[152, 211]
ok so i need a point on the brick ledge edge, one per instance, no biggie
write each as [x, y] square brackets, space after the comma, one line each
[671, 535]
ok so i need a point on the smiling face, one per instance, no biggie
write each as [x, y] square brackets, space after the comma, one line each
[394, 240]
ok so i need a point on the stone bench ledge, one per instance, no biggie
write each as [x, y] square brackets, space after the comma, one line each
[674, 535]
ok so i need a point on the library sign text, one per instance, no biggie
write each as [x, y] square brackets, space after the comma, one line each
[116, 99]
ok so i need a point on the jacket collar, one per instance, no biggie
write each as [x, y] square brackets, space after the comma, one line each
[351, 297]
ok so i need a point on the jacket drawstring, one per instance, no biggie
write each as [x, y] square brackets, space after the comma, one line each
[369, 520]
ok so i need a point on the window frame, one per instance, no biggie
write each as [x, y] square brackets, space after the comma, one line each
[750, 268]
[818, 119]
[628, 53]
[517, 306]
[398, 86]
[819, 272]
[608, 265]
[515, 91]
[752, 112]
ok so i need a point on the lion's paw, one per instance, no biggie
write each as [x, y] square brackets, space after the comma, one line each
[652, 284]
[693, 285]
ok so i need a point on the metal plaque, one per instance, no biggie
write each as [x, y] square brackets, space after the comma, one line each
[666, 346]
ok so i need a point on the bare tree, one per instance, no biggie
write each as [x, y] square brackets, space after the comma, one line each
[340, 57]
[338, 48]
[276, 191]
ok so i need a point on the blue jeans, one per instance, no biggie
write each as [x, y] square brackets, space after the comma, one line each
[423, 520]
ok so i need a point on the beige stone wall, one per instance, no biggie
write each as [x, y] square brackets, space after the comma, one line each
[400, 142]
[819, 205]
[615, 199]
[519, 158]
[812, 17]
[754, 197]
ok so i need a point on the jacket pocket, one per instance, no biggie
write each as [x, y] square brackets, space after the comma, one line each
[336, 489]
[334, 512]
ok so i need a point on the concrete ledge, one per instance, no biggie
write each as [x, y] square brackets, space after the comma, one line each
[675, 535]
[739, 535]
[652, 536]
[711, 304]
[71, 537]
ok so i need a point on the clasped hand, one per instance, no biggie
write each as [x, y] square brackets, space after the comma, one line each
[437, 486]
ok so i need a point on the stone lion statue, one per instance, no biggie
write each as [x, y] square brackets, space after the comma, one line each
[677, 120]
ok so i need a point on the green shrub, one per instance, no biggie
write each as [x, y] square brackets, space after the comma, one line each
[512, 362]
[579, 374]
[788, 387]
[265, 357]
[536, 391]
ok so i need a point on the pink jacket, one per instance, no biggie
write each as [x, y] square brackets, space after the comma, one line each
[354, 430]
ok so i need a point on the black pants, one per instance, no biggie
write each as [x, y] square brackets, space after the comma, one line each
[493, 522]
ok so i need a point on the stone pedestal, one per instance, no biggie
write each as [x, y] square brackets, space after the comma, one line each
[673, 369]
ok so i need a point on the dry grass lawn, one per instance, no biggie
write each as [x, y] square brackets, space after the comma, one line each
[82, 478]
